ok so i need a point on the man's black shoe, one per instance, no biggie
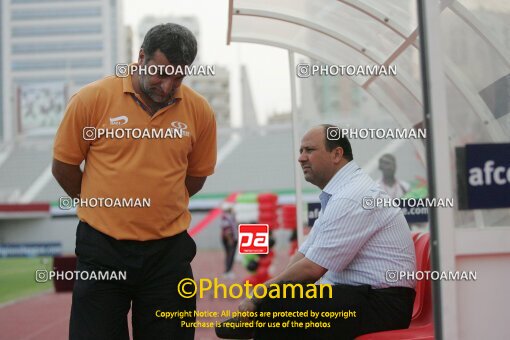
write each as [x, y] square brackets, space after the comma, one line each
[234, 329]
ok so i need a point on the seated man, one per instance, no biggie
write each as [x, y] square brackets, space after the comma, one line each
[349, 247]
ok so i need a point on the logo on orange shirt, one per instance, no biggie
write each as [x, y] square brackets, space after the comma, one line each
[181, 126]
[120, 120]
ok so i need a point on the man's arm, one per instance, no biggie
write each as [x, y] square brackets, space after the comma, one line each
[338, 246]
[68, 176]
[297, 256]
[202, 159]
[194, 184]
[303, 270]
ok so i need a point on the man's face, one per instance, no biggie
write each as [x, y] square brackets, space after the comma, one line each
[317, 163]
[387, 167]
[160, 88]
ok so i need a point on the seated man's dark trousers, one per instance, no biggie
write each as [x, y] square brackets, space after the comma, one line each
[375, 310]
[153, 270]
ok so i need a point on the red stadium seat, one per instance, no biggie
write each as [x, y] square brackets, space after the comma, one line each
[293, 247]
[262, 273]
[415, 234]
[422, 323]
[422, 311]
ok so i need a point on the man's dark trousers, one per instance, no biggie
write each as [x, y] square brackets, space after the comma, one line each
[153, 269]
[375, 310]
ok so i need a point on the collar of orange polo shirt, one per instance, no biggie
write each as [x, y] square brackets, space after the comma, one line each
[127, 87]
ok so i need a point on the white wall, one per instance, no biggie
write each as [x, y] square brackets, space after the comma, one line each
[484, 305]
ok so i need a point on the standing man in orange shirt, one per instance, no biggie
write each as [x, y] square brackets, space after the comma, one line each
[143, 137]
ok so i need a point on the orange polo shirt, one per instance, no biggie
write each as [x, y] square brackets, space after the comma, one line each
[139, 168]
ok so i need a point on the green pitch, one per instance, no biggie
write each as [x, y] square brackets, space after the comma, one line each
[17, 277]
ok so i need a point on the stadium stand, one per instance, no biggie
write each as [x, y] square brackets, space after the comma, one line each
[253, 163]
[24, 163]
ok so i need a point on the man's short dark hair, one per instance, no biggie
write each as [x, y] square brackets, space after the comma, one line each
[342, 142]
[176, 42]
[389, 157]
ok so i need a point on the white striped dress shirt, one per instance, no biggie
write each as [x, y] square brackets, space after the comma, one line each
[358, 246]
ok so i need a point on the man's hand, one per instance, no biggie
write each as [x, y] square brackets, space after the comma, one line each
[300, 269]
[246, 306]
